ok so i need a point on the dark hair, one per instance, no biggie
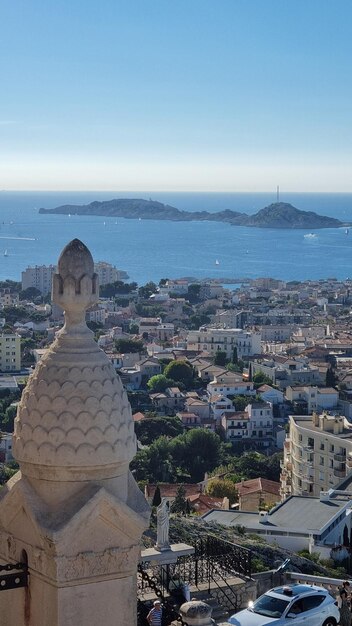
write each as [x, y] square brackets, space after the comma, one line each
[343, 593]
[345, 582]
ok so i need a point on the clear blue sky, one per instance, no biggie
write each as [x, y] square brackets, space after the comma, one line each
[183, 94]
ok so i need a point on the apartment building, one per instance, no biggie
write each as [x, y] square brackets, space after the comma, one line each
[10, 353]
[317, 454]
[253, 426]
[40, 277]
[224, 340]
[8, 297]
[108, 273]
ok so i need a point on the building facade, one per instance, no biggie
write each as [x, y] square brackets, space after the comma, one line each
[317, 454]
[226, 340]
[40, 277]
[10, 353]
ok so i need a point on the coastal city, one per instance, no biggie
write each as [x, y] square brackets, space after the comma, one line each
[175, 313]
[241, 397]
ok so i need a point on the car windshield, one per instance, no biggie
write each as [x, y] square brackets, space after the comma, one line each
[270, 606]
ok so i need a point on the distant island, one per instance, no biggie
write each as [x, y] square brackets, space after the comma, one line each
[276, 215]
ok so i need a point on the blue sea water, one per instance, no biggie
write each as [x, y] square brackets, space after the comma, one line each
[150, 250]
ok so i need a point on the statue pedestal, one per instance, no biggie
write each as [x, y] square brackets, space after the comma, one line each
[166, 556]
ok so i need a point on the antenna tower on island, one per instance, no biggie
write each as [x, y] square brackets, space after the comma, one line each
[278, 194]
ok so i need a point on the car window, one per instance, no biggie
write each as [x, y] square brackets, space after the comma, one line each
[306, 604]
[270, 606]
[297, 607]
[312, 602]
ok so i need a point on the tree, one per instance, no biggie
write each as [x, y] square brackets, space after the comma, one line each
[197, 451]
[193, 295]
[31, 293]
[220, 358]
[147, 290]
[157, 497]
[240, 402]
[234, 356]
[179, 505]
[150, 429]
[197, 320]
[222, 488]
[110, 290]
[129, 345]
[331, 378]
[260, 378]
[159, 382]
[180, 372]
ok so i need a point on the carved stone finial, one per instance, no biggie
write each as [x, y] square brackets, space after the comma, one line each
[75, 287]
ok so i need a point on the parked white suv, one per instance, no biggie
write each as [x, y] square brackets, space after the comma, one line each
[292, 605]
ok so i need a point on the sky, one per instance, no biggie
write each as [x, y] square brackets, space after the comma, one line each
[203, 95]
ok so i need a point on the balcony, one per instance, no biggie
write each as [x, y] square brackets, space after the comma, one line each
[340, 457]
[339, 473]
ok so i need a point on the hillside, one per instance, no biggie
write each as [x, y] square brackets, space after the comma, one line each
[265, 556]
[277, 215]
[284, 215]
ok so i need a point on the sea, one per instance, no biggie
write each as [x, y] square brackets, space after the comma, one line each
[150, 250]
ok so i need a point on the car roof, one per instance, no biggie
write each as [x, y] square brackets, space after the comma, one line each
[292, 591]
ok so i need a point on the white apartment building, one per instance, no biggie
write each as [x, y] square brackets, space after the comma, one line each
[10, 353]
[40, 277]
[226, 340]
[317, 454]
[253, 425]
[108, 273]
[316, 398]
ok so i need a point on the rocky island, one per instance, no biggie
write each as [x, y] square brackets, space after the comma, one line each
[276, 215]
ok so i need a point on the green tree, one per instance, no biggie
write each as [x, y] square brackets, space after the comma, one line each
[179, 504]
[180, 372]
[220, 358]
[31, 293]
[7, 423]
[222, 488]
[110, 290]
[150, 429]
[147, 290]
[331, 378]
[14, 314]
[125, 346]
[159, 383]
[197, 320]
[234, 356]
[197, 451]
[240, 402]
[193, 294]
[260, 378]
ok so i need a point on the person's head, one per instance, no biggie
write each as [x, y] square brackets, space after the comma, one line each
[157, 604]
[345, 584]
[343, 594]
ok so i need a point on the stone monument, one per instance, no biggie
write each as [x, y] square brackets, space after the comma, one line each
[73, 511]
[162, 520]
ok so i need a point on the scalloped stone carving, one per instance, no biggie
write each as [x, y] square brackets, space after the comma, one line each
[74, 412]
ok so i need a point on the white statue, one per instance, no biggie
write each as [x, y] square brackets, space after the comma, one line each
[162, 517]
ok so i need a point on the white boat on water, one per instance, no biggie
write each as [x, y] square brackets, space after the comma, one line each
[6, 253]
[217, 262]
[310, 236]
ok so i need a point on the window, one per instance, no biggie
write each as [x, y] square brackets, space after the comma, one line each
[321, 460]
[322, 447]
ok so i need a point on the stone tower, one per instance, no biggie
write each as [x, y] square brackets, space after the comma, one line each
[73, 511]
